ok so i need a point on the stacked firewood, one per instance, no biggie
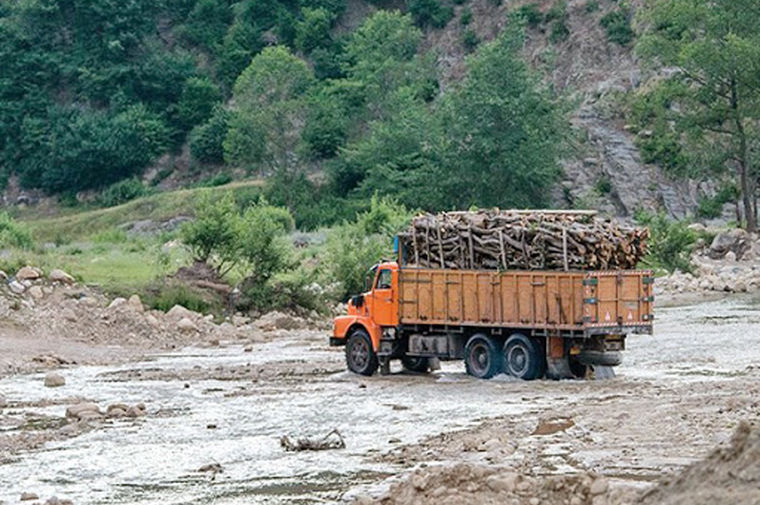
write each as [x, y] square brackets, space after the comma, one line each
[523, 240]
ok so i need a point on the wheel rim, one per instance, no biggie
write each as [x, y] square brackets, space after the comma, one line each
[517, 360]
[359, 353]
[480, 359]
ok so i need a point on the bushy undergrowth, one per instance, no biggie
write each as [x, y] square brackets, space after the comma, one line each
[671, 242]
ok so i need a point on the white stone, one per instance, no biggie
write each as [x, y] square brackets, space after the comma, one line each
[58, 275]
[36, 292]
[179, 312]
[186, 325]
[599, 486]
[76, 411]
[135, 303]
[54, 380]
[117, 302]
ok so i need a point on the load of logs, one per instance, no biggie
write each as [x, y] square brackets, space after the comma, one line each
[522, 240]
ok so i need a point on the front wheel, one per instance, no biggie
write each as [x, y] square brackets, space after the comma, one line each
[524, 358]
[482, 358]
[415, 364]
[360, 356]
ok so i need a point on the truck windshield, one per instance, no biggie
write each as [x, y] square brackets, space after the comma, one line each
[369, 278]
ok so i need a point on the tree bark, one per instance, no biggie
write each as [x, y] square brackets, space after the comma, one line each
[744, 179]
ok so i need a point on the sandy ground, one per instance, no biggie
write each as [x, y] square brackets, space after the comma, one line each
[436, 438]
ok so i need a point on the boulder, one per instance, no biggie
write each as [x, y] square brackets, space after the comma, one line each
[151, 320]
[54, 380]
[136, 411]
[83, 409]
[503, 482]
[278, 321]
[26, 496]
[599, 486]
[36, 292]
[117, 302]
[3, 402]
[179, 312]
[737, 241]
[3, 276]
[69, 315]
[16, 287]
[28, 273]
[58, 275]
[186, 325]
[135, 303]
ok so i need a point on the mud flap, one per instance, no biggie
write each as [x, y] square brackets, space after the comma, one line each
[602, 372]
[385, 365]
[434, 364]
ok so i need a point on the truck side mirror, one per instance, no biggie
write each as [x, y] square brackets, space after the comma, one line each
[357, 300]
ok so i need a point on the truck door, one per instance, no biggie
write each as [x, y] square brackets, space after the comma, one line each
[384, 298]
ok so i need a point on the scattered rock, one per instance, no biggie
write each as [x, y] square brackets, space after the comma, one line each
[135, 303]
[136, 410]
[57, 501]
[599, 486]
[58, 275]
[69, 315]
[54, 380]
[551, 426]
[503, 482]
[28, 273]
[278, 321]
[117, 302]
[25, 496]
[17, 287]
[179, 312]
[186, 325]
[3, 402]
[83, 410]
[3, 276]
[36, 292]
[211, 467]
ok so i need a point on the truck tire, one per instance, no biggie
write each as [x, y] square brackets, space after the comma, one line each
[360, 356]
[524, 358]
[415, 364]
[482, 358]
[600, 358]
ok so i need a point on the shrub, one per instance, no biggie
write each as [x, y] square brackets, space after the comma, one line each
[206, 140]
[618, 27]
[213, 235]
[169, 295]
[262, 247]
[122, 192]
[670, 244]
[712, 207]
[353, 247]
[219, 179]
[110, 236]
[470, 40]
[199, 97]
[603, 185]
[13, 234]
[530, 14]
[560, 32]
[592, 6]
[430, 13]
[466, 17]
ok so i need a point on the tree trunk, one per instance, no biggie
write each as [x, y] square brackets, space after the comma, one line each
[744, 179]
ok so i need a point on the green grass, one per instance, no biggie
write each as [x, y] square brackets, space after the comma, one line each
[159, 207]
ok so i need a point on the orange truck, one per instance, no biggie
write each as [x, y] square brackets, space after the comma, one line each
[528, 324]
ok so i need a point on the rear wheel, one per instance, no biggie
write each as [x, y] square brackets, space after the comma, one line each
[482, 358]
[360, 357]
[524, 358]
[415, 364]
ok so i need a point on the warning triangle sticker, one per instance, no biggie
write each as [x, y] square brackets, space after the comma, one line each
[607, 317]
[630, 315]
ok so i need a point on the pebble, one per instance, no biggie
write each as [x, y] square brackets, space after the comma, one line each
[117, 302]
[186, 325]
[599, 486]
[25, 496]
[58, 275]
[54, 380]
[504, 482]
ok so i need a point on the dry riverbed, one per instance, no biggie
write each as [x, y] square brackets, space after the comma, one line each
[438, 438]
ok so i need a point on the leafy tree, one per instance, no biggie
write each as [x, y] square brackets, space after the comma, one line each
[504, 131]
[430, 13]
[213, 237]
[715, 47]
[206, 140]
[618, 27]
[207, 23]
[670, 243]
[267, 117]
[313, 30]
[199, 96]
[262, 247]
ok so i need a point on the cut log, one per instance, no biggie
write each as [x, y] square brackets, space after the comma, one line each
[523, 240]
